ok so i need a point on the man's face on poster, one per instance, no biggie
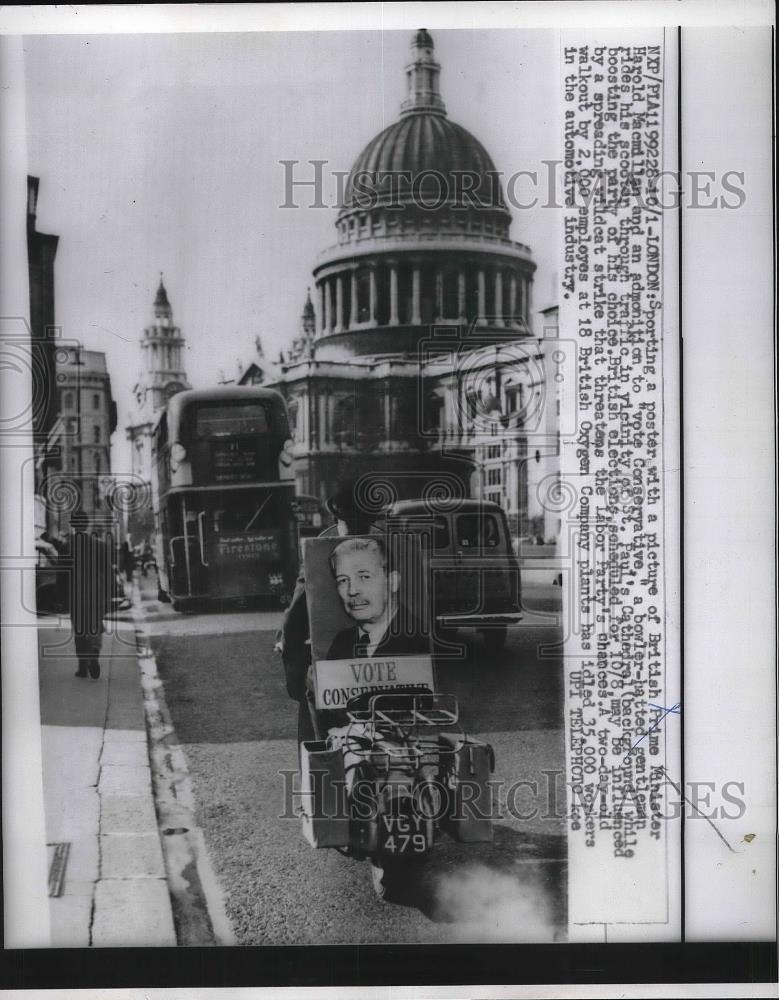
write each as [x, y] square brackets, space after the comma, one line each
[362, 582]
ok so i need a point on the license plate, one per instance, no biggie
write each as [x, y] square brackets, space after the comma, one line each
[402, 834]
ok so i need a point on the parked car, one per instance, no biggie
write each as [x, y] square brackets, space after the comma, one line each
[473, 572]
[50, 593]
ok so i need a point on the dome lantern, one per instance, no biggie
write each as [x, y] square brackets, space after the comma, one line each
[422, 76]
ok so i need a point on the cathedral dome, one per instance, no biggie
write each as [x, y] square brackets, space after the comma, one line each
[423, 235]
[427, 158]
[424, 159]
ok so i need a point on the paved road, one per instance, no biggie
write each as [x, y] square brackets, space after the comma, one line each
[224, 689]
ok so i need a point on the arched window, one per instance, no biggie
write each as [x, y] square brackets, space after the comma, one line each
[96, 401]
[67, 401]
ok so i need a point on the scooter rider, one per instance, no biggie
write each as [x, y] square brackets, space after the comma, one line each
[351, 519]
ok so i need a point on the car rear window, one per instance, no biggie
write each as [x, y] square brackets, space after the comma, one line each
[435, 529]
[478, 531]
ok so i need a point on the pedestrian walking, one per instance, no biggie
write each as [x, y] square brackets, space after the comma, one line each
[91, 592]
[127, 561]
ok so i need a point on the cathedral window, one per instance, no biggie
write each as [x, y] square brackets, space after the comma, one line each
[96, 401]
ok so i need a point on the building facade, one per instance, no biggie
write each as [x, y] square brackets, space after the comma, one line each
[80, 462]
[416, 361]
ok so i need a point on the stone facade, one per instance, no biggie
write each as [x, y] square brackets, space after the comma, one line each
[86, 420]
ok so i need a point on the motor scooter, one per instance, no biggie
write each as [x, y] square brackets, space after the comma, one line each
[385, 785]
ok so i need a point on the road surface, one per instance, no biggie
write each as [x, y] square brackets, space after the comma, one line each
[224, 690]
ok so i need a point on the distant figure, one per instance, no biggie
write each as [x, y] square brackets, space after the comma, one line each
[127, 560]
[147, 557]
[369, 594]
[91, 593]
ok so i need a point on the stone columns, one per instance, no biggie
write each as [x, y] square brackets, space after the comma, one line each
[387, 416]
[416, 311]
[328, 306]
[439, 295]
[528, 299]
[394, 295]
[481, 304]
[372, 306]
[498, 296]
[322, 308]
[461, 294]
[353, 318]
[513, 300]
[339, 304]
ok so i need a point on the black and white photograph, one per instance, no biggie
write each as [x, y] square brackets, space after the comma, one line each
[365, 499]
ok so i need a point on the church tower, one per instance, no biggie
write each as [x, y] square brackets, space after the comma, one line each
[163, 375]
[163, 354]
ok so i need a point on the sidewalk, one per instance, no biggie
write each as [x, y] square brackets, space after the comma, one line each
[107, 882]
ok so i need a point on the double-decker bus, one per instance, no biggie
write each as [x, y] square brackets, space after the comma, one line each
[223, 497]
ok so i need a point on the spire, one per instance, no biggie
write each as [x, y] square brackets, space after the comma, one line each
[422, 75]
[308, 318]
[162, 307]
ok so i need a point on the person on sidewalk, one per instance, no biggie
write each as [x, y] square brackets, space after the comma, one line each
[91, 592]
[294, 642]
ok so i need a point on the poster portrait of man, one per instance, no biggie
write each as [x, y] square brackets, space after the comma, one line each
[368, 613]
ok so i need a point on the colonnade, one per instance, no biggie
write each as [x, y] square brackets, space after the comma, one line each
[354, 297]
